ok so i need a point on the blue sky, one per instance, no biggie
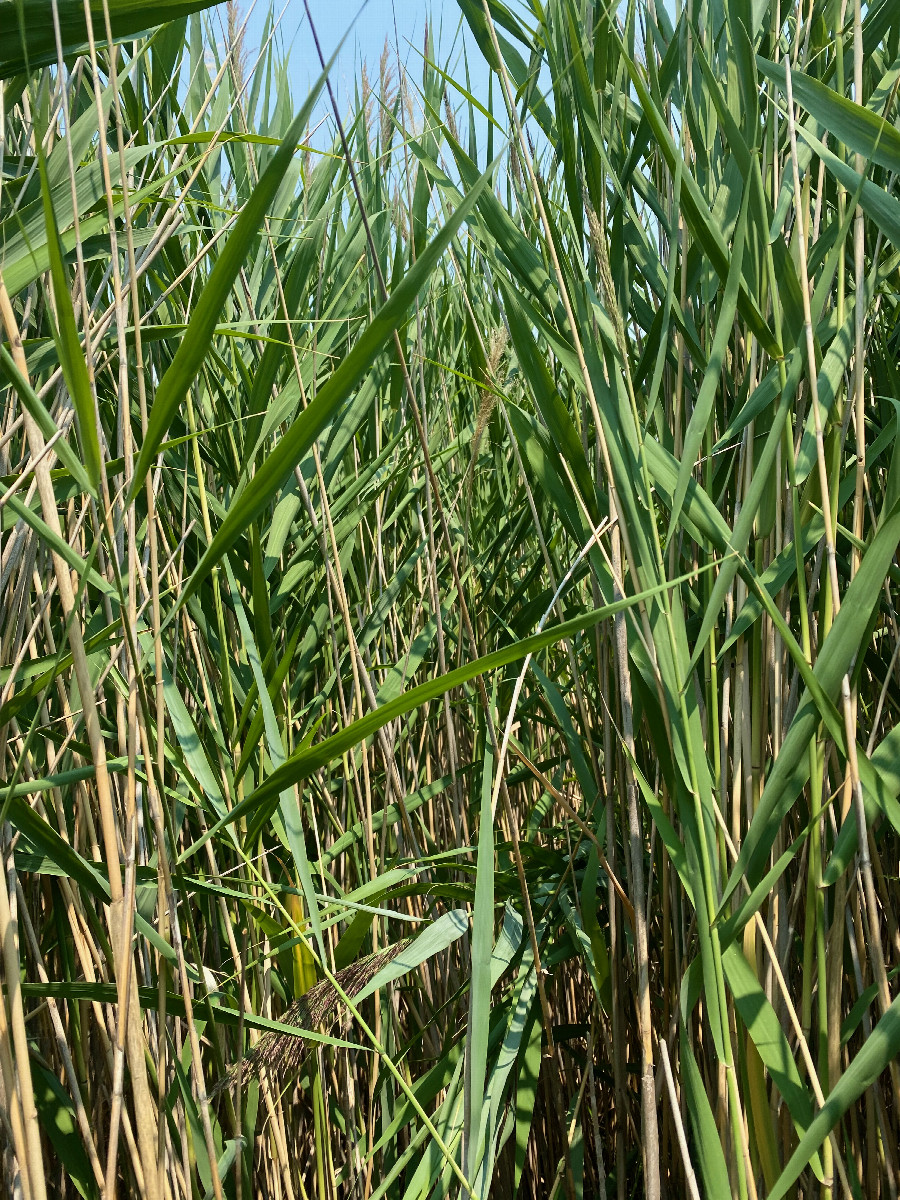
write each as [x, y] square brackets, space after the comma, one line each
[402, 22]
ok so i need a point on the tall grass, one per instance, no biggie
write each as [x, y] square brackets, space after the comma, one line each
[449, 641]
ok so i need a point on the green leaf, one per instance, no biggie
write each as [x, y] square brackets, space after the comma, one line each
[29, 39]
[856, 126]
[437, 937]
[881, 206]
[710, 1158]
[480, 988]
[57, 1116]
[696, 430]
[71, 356]
[289, 801]
[768, 1037]
[57, 544]
[32, 403]
[879, 1049]
[106, 993]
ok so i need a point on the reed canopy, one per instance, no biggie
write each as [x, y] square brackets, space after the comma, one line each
[449, 635]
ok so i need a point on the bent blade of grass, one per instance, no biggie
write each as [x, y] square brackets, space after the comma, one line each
[437, 937]
[30, 401]
[879, 1049]
[855, 125]
[301, 765]
[36, 44]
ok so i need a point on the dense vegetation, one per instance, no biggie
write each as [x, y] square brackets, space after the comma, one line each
[449, 693]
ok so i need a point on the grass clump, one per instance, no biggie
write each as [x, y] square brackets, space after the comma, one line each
[449, 648]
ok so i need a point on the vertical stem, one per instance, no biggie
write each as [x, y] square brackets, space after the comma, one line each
[649, 1126]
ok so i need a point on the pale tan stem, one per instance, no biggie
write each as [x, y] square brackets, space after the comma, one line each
[33, 1163]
